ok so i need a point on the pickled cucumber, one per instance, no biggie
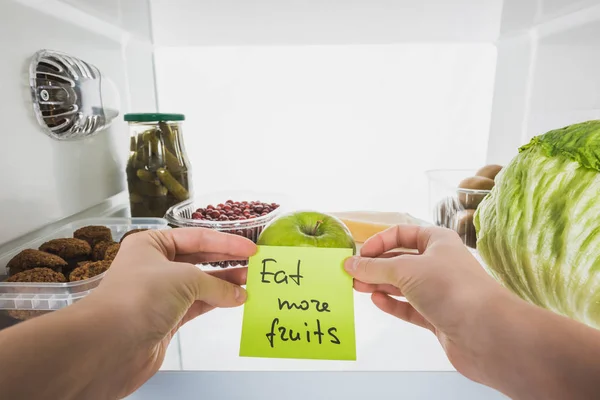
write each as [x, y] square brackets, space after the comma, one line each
[169, 135]
[173, 163]
[172, 184]
[150, 189]
[147, 176]
[135, 198]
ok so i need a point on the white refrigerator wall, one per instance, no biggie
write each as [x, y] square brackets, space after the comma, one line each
[340, 104]
[333, 127]
[318, 22]
[547, 72]
[44, 180]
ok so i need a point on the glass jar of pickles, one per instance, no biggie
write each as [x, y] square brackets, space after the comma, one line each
[158, 171]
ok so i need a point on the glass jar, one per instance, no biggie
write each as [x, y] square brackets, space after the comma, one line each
[158, 170]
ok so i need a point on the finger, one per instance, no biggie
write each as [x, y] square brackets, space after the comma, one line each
[214, 291]
[391, 271]
[392, 254]
[237, 276]
[400, 309]
[198, 258]
[399, 236]
[371, 288]
[172, 242]
[404, 236]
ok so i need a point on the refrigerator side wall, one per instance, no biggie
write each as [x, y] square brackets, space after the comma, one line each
[547, 71]
[44, 180]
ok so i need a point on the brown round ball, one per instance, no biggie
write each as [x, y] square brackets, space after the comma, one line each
[131, 232]
[94, 234]
[89, 270]
[489, 171]
[100, 250]
[30, 259]
[112, 251]
[38, 275]
[67, 248]
[82, 263]
[24, 315]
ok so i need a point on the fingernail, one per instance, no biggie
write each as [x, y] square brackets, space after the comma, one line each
[351, 264]
[240, 295]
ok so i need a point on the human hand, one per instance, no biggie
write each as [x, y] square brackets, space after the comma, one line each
[155, 288]
[447, 290]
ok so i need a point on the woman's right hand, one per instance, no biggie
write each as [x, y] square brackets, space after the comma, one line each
[489, 334]
[447, 290]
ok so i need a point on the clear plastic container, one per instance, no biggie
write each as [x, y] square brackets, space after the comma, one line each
[180, 215]
[453, 207]
[19, 301]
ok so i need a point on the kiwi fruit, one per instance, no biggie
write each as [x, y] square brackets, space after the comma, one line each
[445, 211]
[472, 200]
[463, 225]
[489, 171]
[476, 183]
[470, 240]
[463, 222]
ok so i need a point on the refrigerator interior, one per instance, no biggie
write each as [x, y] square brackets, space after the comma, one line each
[371, 94]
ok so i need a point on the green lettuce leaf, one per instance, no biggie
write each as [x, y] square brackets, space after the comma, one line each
[539, 229]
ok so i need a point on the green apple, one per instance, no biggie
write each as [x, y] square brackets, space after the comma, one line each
[307, 229]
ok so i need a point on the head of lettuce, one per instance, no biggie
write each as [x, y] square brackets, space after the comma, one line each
[539, 229]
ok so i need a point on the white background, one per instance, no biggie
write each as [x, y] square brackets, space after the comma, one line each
[333, 127]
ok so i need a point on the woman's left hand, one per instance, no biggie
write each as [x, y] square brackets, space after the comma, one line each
[156, 288]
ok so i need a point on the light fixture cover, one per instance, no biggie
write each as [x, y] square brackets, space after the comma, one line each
[72, 99]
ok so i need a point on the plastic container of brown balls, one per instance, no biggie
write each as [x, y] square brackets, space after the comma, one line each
[47, 288]
[454, 196]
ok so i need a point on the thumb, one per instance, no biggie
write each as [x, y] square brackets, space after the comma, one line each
[392, 271]
[214, 291]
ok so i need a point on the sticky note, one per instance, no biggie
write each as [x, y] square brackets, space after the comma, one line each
[300, 304]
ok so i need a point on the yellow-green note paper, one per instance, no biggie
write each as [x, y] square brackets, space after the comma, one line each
[300, 305]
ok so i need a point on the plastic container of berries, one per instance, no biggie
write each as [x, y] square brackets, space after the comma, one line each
[241, 213]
